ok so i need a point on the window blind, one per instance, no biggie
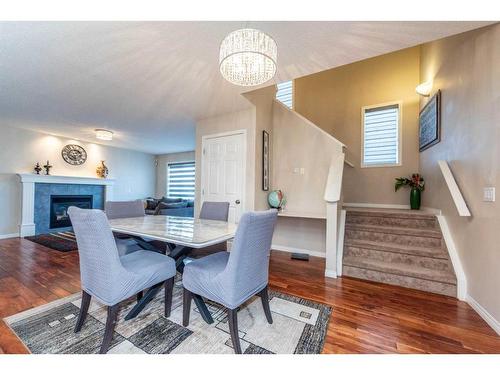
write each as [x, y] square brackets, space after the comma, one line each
[381, 135]
[181, 180]
[285, 93]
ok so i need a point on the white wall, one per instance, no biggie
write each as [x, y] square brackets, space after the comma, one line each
[20, 149]
[225, 123]
[162, 162]
[296, 143]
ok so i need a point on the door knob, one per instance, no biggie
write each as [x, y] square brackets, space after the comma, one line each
[237, 201]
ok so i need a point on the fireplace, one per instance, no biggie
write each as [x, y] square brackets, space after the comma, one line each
[59, 208]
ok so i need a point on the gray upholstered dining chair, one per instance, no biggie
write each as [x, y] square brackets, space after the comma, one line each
[232, 278]
[127, 244]
[215, 211]
[111, 278]
[123, 209]
[212, 211]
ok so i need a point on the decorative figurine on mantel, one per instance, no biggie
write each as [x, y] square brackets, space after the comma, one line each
[102, 170]
[37, 168]
[47, 168]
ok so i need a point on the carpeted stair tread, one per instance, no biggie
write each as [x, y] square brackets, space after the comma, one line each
[404, 281]
[431, 252]
[416, 261]
[417, 232]
[394, 221]
[403, 214]
[401, 269]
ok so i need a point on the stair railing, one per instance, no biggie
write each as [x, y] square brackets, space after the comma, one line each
[455, 192]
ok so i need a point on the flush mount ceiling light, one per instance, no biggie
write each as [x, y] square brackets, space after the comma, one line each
[248, 57]
[104, 134]
[424, 89]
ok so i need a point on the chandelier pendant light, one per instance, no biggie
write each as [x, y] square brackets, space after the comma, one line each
[248, 57]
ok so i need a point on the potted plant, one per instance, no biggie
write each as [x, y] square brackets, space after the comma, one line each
[416, 184]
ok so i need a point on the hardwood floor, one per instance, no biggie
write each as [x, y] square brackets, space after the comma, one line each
[367, 317]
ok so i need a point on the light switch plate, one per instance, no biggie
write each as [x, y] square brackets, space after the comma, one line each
[489, 194]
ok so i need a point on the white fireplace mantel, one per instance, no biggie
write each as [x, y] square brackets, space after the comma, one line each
[27, 225]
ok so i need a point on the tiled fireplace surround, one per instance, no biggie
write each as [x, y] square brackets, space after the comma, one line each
[37, 190]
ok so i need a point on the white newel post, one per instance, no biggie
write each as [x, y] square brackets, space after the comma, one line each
[28, 181]
[331, 239]
[332, 197]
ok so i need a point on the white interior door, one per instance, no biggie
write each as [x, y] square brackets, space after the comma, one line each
[223, 175]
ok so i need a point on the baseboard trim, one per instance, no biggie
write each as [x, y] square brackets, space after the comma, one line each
[8, 235]
[431, 210]
[488, 318]
[454, 257]
[290, 249]
[331, 274]
[340, 243]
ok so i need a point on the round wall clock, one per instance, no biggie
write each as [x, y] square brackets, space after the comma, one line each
[74, 154]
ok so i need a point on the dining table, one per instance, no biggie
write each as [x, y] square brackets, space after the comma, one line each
[182, 236]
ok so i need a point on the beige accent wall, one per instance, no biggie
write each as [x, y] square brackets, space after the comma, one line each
[20, 149]
[227, 123]
[162, 162]
[333, 99]
[466, 68]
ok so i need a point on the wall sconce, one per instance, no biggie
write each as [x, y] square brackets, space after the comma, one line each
[424, 89]
[104, 134]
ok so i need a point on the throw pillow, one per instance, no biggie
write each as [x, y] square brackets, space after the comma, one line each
[151, 204]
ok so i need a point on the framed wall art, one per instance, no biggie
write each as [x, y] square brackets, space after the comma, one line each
[430, 123]
[265, 160]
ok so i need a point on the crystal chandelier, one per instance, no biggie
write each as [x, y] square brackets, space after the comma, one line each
[248, 57]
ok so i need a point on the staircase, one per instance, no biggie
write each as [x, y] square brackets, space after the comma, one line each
[398, 247]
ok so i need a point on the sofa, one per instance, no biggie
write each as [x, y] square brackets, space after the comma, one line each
[169, 207]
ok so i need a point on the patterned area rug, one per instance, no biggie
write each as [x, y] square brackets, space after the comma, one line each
[60, 241]
[299, 327]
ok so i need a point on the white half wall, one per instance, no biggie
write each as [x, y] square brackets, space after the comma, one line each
[301, 158]
[20, 149]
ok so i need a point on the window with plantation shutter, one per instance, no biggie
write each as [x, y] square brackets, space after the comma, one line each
[381, 132]
[285, 93]
[180, 180]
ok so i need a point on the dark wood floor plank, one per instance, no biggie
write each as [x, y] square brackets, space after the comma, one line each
[368, 317]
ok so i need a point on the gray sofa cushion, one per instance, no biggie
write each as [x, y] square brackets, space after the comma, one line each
[171, 200]
[169, 206]
[180, 212]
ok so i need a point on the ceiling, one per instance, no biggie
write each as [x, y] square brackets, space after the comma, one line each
[150, 81]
